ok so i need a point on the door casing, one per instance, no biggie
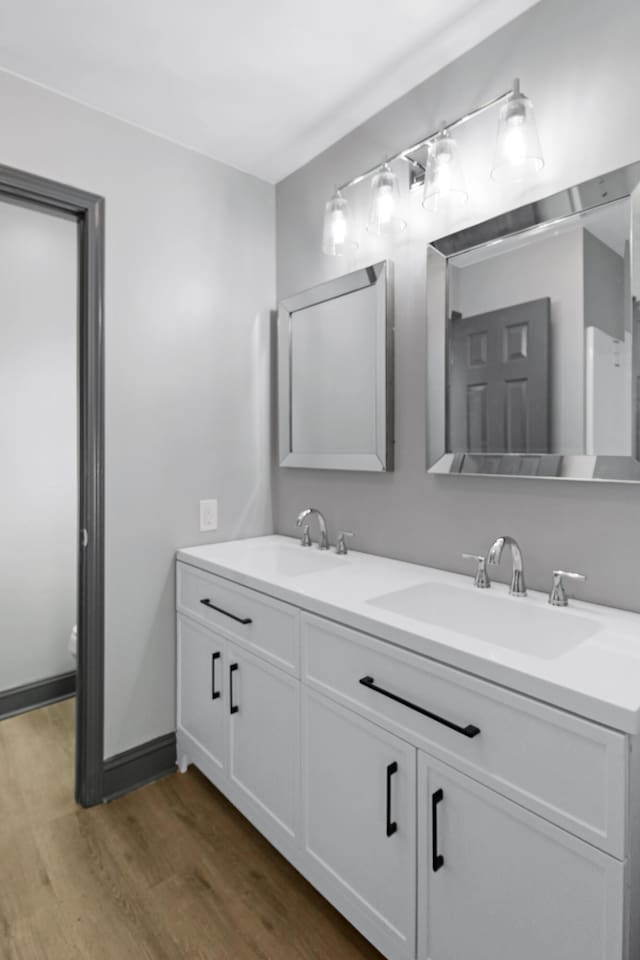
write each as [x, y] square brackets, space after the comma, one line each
[88, 209]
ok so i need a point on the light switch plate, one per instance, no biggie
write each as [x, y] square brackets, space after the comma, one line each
[208, 515]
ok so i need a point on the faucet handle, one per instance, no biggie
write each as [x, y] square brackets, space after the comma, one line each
[481, 579]
[305, 540]
[558, 594]
[341, 543]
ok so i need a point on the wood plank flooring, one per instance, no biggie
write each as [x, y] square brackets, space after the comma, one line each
[172, 871]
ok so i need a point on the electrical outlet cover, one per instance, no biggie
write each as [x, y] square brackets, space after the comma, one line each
[208, 515]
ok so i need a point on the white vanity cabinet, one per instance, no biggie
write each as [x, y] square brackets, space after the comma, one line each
[264, 740]
[447, 817]
[359, 820]
[497, 882]
[237, 712]
[201, 695]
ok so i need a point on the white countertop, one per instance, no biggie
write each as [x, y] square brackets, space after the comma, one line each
[598, 679]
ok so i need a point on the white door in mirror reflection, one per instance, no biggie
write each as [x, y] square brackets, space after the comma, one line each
[499, 380]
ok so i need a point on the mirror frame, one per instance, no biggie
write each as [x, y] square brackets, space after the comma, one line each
[542, 214]
[381, 460]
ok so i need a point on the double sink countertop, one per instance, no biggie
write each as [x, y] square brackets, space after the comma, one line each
[583, 658]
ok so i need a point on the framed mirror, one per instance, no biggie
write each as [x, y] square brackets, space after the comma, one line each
[335, 370]
[533, 366]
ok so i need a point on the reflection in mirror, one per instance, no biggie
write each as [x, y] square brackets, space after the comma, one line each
[541, 359]
[540, 341]
[334, 347]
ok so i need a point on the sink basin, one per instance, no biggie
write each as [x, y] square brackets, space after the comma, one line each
[510, 622]
[292, 560]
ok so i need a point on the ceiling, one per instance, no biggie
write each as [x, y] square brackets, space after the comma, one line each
[263, 85]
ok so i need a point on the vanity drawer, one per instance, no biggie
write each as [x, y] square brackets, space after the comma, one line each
[267, 627]
[569, 770]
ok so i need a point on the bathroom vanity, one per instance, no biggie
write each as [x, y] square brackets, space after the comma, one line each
[456, 770]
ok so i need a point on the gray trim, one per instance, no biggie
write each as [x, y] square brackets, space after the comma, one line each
[141, 765]
[88, 209]
[30, 696]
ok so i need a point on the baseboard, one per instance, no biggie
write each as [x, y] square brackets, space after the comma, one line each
[30, 696]
[141, 765]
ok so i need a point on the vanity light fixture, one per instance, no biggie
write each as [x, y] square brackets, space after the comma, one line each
[336, 235]
[518, 155]
[385, 200]
[444, 183]
[518, 152]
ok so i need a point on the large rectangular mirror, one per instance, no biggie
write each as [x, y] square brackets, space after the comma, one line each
[534, 353]
[335, 363]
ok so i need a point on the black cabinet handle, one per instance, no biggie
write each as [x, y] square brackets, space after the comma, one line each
[233, 708]
[437, 860]
[207, 603]
[392, 826]
[214, 693]
[469, 731]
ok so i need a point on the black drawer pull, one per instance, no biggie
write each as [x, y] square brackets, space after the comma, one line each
[468, 731]
[392, 826]
[214, 693]
[233, 707]
[244, 620]
[437, 860]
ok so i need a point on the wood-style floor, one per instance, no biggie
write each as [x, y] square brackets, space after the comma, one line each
[172, 871]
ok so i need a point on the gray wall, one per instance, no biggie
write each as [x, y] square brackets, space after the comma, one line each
[578, 61]
[189, 283]
[604, 287]
[38, 481]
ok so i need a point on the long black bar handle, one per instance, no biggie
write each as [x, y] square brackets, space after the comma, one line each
[243, 620]
[233, 707]
[437, 860]
[392, 826]
[214, 693]
[469, 731]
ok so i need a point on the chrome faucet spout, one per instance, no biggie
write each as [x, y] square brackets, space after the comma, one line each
[322, 524]
[518, 586]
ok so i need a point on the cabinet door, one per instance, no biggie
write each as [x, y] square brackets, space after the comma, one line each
[263, 706]
[359, 833]
[201, 709]
[497, 882]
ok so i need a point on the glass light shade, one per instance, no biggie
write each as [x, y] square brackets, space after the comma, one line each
[336, 234]
[518, 152]
[385, 201]
[444, 183]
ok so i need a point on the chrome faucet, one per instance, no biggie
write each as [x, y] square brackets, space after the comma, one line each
[518, 586]
[322, 524]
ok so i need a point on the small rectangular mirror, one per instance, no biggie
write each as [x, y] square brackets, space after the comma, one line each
[534, 358]
[335, 362]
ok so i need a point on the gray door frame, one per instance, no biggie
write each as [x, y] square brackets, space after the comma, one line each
[88, 209]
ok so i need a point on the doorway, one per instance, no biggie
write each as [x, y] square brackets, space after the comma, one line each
[86, 211]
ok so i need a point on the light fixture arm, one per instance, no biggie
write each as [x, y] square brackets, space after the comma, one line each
[405, 153]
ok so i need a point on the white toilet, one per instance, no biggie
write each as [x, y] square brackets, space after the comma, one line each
[73, 642]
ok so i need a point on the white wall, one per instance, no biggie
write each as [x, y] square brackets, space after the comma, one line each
[608, 347]
[608, 388]
[189, 283]
[578, 61]
[38, 479]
